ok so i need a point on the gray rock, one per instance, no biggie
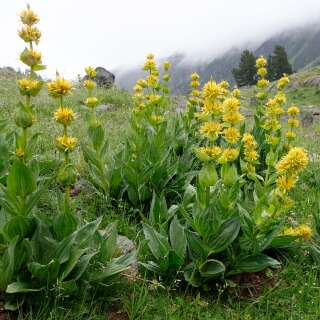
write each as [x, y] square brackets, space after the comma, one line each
[307, 119]
[312, 82]
[104, 78]
[126, 246]
[253, 101]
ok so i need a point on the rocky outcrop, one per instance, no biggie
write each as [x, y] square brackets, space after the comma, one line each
[104, 78]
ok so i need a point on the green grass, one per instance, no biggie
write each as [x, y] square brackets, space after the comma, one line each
[295, 294]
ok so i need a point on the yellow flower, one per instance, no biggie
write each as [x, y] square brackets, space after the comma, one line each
[59, 87]
[224, 84]
[231, 104]
[302, 231]
[251, 155]
[249, 141]
[236, 93]
[293, 111]
[91, 102]
[262, 83]
[153, 98]
[31, 57]
[166, 66]
[149, 65]
[293, 163]
[261, 62]
[66, 143]
[286, 183]
[89, 84]
[137, 88]
[91, 73]
[290, 135]
[29, 17]
[150, 56]
[293, 122]
[208, 153]
[211, 90]
[262, 72]
[211, 129]
[29, 87]
[142, 83]
[280, 98]
[194, 76]
[195, 93]
[272, 124]
[213, 107]
[195, 84]
[30, 34]
[232, 135]
[283, 82]
[156, 119]
[229, 155]
[20, 152]
[232, 117]
[64, 116]
[152, 80]
[261, 95]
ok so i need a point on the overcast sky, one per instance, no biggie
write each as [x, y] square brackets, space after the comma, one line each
[120, 33]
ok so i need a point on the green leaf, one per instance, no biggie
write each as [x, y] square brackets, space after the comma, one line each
[157, 243]
[109, 244]
[45, 273]
[226, 234]
[20, 180]
[178, 238]
[255, 263]
[211, 268]
[199, 249]
[21, 287]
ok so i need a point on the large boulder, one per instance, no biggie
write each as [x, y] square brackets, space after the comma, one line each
[104, 78]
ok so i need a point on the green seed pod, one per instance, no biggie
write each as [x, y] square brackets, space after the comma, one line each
[208, 176]
[23, 119]
[67, 175]
[229, 175]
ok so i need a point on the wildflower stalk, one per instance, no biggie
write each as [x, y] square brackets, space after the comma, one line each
[28, 87]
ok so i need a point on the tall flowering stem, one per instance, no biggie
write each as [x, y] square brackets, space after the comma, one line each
[149, 93]
[64, 115]
[29, 87]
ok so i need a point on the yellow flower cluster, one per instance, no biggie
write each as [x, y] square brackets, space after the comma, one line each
[59, 88]
[293, 122]
[302, 231]
[251, 155]
[262, 72]
[231, 135]
[231, 114]
[91, 101]
[289, 167]
[149, 92]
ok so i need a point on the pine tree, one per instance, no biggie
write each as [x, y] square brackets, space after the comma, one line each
[278, 64]
[245, 73]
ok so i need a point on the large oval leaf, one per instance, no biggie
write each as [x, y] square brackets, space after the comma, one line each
[211, 268]
[226, 234]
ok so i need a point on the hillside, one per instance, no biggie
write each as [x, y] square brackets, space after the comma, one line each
[302, 45]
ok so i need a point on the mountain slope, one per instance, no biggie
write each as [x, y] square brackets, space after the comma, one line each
[302, 45]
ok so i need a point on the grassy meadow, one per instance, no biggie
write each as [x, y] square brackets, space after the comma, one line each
[291, 293]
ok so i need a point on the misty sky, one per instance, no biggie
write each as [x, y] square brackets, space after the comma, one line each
[117, 33]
